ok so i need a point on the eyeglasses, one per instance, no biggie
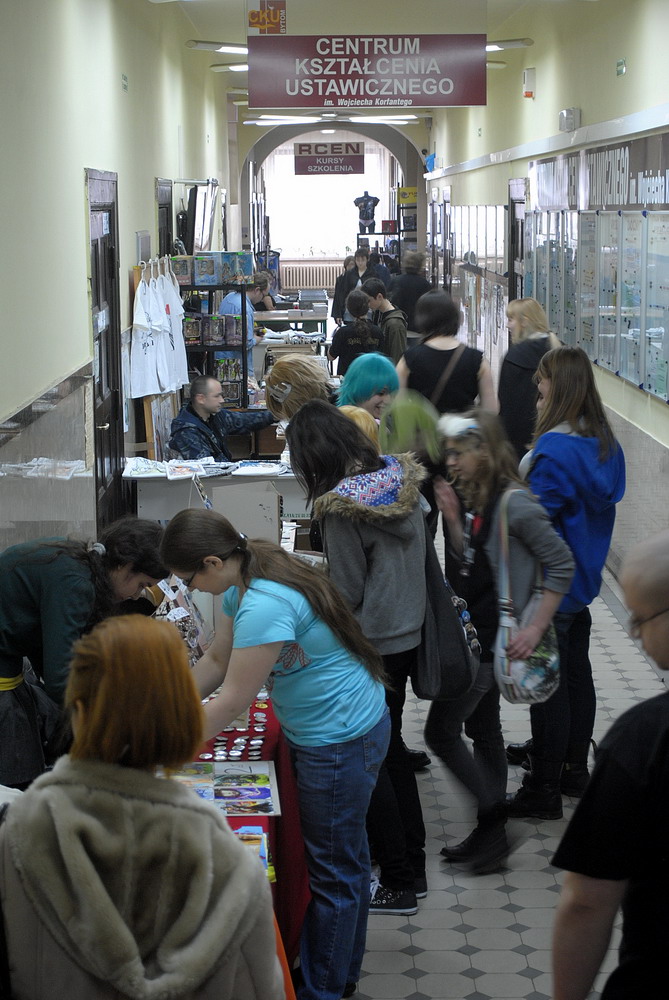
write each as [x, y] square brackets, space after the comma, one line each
[636, 624]
[188, 583]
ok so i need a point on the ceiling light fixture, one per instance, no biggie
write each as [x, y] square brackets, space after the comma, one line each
[328, 131]
[230, 68]
[495, 64]
[381, 118]
[232, 48]
[509, 43]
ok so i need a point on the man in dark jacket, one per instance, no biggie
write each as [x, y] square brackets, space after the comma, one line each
[203, 423]
[393, 322]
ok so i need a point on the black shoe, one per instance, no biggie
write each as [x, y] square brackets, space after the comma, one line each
[418, 758]
[516, 753]
[462, 852]
[420, 886]
[349, 990]
[393, 901]
[573, 780]
[540, 802]
[492, 852]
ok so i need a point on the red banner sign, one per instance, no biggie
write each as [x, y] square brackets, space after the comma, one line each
[354, 72]
[329, 158]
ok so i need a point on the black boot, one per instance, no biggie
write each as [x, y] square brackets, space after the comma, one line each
[517, 753]
[486, 847]
[418, 759]
[575, 773]
[539, 795]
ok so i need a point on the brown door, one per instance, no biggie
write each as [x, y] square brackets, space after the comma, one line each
[108, 435]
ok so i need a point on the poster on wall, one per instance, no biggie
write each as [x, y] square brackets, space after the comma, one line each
[356, 72]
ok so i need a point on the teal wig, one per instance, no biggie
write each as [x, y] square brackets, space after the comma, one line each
[369, 374]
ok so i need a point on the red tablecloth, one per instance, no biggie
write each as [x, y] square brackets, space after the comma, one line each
[291, 891]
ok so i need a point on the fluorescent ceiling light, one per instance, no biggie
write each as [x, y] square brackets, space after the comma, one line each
[230, 47]
[328, 131]
[381, 118]
[381, 121]
[509, 43]
[269, 121]
[231, 68]
[495, 64]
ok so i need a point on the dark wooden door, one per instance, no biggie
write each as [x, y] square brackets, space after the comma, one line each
[515, 236]
[108, 432]
[165, 225]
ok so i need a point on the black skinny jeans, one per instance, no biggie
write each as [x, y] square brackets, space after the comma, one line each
[395, 817]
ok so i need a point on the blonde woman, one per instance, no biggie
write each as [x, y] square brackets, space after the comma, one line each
[530, 339]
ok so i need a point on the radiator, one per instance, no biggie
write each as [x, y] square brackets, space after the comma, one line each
[298, 274]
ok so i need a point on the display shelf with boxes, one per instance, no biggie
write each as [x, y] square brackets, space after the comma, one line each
[205, 279]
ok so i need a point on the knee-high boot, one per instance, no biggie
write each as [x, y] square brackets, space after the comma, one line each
[539, 795]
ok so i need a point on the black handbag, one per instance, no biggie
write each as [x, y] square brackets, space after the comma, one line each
[448, 656]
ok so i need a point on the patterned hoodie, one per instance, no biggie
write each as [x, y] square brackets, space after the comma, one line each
[374, 537]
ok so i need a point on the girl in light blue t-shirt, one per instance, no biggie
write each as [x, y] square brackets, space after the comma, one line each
[285, 625]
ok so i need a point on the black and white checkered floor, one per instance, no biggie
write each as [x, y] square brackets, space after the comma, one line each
[488, 937]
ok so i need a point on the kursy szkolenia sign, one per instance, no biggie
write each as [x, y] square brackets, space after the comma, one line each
[360, 71]
[329, 158]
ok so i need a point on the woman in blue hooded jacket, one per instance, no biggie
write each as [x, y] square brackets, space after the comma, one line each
[577, 470]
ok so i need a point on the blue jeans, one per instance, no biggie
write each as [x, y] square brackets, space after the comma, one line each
[483, 774]
[334, 785]
[568, 717]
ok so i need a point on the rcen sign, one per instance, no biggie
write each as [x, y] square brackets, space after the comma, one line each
[366, 71]
[329, 157]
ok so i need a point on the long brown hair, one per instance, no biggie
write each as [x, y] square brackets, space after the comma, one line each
[573, 398]
[139, 703]
[499, 470]
[193, 534]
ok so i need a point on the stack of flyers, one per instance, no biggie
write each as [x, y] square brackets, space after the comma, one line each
[246, 788]
[255, 838]
[199, 777]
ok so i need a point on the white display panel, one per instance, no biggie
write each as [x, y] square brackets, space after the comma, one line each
[632, 241]
[609, 271]
[657, 304]
[567, 332]
[587, 282]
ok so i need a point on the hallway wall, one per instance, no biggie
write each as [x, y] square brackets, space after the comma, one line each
[62, 69]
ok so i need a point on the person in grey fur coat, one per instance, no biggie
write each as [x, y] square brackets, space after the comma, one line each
[117, 882]
[370, 512]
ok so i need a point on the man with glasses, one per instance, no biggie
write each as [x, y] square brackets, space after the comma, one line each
[616, 848]
[203, 423]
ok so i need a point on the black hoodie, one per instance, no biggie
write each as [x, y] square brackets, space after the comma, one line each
[518, 391]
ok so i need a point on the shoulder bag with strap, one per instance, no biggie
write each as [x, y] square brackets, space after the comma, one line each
[535, 679]
[446, 374]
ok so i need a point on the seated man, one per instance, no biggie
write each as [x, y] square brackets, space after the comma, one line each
[203, 423]
[393, 321]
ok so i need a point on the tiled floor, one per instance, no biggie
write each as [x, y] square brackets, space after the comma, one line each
[488, 937]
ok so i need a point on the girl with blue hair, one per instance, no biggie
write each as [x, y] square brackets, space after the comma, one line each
[369, 382]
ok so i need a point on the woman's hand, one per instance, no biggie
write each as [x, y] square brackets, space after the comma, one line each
[524, 642]
[447, 501]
